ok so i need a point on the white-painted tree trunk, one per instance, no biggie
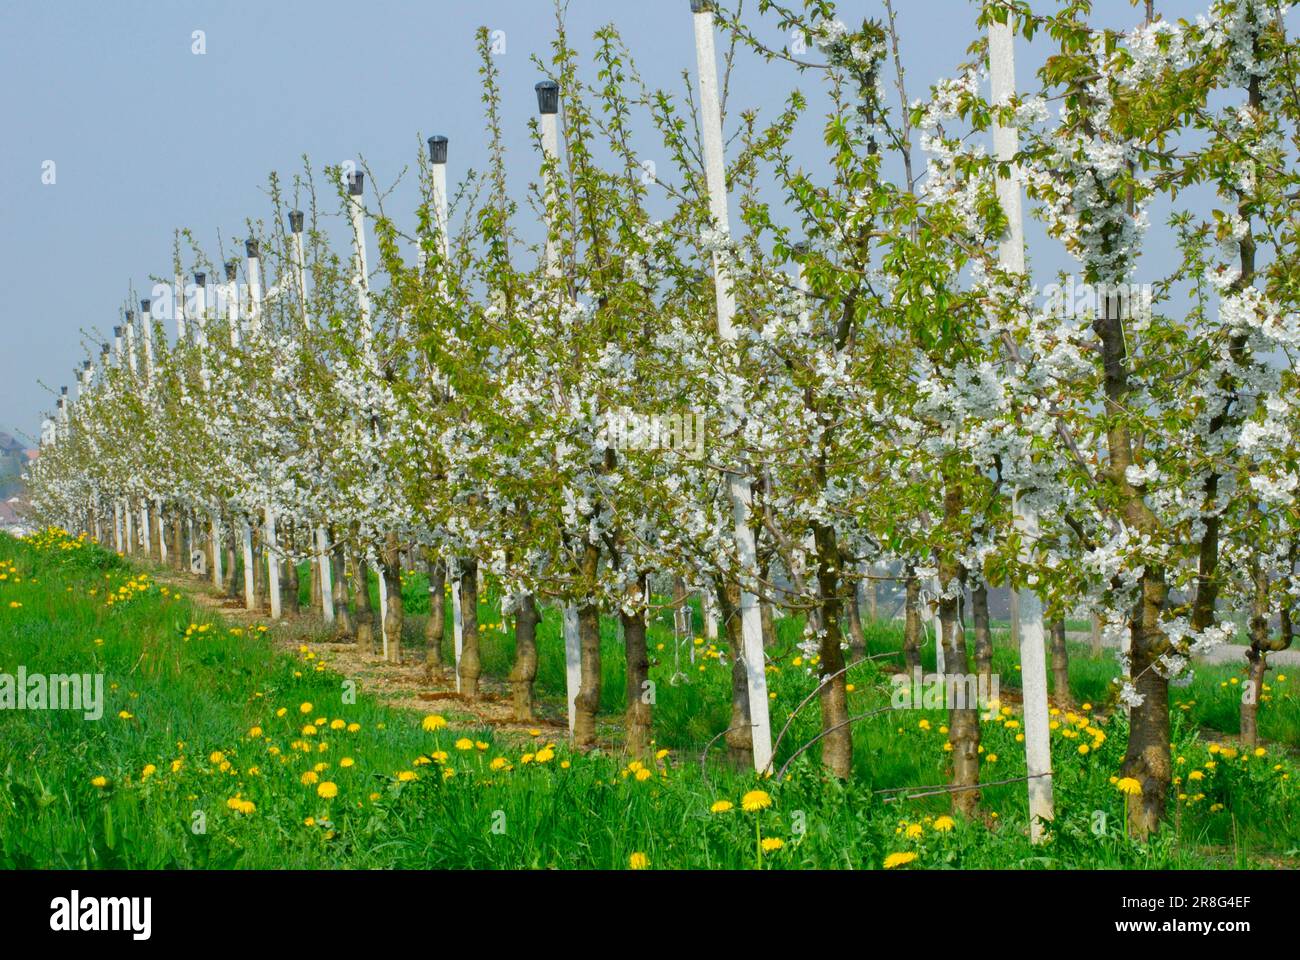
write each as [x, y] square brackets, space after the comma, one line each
[1033, 658]
[738, 485]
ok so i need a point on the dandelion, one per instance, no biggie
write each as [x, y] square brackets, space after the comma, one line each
[754, 801]
[721, 806]
[305, 707]
[464, 743]
[100, 782]
[772, 844]
[328, 790]
[309, 778]
[1130, 786]
[638, 861]
[898, 860]
[944, 824]
[148, 771]
[433, 722]
[347, 762]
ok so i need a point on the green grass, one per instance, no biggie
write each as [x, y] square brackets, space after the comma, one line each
[189, 694]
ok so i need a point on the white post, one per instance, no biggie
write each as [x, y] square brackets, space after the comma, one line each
[360, 272]
[218, 574]
[162, 532]
[710, 615]
[246, 544]
[299, 259]
[1033, 659]
[272, 564]
[117, 526]
[738, 485]
[383, 608]
[457, 622]
[548, 105]
[572, 662]
[326, 575]
[254, 270]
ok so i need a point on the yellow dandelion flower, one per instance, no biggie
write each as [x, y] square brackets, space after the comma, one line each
[898, 860]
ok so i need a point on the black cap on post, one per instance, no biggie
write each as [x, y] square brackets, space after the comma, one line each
[117, 331]
[130, 316]
[250, 248]
[700, 6]
[438, 149]
[800, 249]
[63, 391]
[232, 268]
[144, 306]
[548, 97]
[200, 279]
[356, 183]
[295, 221]
[104, 349]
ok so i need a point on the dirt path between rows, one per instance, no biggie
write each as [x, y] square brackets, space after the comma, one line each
[405, 686]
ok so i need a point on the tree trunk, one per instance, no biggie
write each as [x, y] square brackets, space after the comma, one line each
[470, 665]
[637, 717]
[979, 598]
[739, 736]
[395, 614]
[436, 627]
[857, 639]
[1147, 757]
[587, 703]
[912, 623]
[291, 603]
[343, 625]
[1060, 664]
[524, 672]
[365, 611]
[963, 716]
[837, 736]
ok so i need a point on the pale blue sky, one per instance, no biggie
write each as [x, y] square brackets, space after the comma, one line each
[148, 137]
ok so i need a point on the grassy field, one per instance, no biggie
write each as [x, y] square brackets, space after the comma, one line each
[219, 748]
